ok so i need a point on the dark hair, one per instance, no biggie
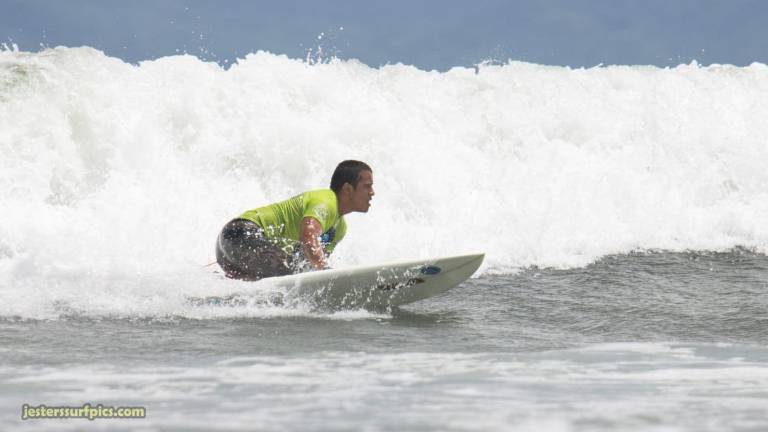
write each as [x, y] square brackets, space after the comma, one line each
[347, 171]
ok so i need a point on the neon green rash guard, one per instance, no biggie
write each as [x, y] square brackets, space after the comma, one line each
[282, 221]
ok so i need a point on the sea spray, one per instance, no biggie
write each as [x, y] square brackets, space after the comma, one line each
[117, 172]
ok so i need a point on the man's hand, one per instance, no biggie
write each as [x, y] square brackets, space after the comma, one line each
[311, 230]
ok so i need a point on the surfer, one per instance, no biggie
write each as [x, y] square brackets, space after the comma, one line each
[292, 235]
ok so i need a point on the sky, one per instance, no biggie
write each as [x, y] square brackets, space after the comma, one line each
[435, 34]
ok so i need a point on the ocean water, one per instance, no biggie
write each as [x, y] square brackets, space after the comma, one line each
[622, 210]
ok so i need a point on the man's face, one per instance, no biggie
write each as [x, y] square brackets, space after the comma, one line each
[363, 192]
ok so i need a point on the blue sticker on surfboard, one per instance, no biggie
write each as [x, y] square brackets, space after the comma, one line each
[430, 270]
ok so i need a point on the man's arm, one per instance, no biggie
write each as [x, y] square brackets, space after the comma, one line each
[311, 230]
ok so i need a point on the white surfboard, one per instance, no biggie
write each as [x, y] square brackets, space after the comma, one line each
[372, 287]
[382, 286]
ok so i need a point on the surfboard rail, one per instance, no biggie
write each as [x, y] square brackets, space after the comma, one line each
[382, 286]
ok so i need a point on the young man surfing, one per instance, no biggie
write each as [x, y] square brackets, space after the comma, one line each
[280, 238]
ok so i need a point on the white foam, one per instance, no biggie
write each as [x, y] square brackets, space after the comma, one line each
[116, 171]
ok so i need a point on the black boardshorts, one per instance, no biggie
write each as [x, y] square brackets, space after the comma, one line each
[244, 252]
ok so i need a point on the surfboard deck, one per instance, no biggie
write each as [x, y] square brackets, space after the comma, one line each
[372, 287]
[380, 286]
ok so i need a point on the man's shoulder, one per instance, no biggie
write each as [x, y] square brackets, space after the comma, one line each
[319, 196]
